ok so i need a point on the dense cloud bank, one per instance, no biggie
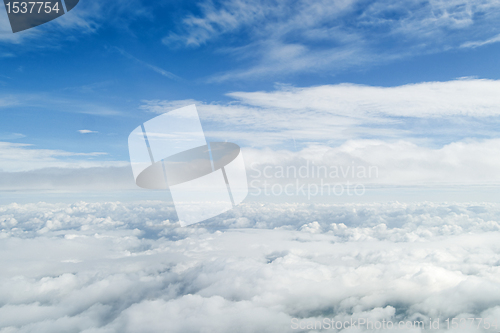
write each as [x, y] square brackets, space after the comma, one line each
[114, 267]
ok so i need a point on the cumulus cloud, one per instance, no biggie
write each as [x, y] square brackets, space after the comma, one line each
[124, 267]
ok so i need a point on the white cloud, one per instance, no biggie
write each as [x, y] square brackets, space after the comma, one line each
[115, 267]
[320, 172]
[86, 131]
[373, 163]
[441, 111]
[464, 97]
[332, 125]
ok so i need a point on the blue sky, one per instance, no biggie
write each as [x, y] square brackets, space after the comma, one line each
[408, 87]
[108, 67]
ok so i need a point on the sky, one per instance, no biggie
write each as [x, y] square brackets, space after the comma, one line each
[286, 76]
[369, 134]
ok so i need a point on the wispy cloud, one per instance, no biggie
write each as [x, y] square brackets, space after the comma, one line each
[475, 44]
[462, 97]
[86, 131]
[161, 106]
[9, 100]
[18, 157]
[283, 37]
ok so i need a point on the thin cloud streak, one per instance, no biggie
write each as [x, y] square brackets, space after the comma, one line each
[150, 66]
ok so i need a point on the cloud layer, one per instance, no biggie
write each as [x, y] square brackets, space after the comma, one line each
[114, 267]
[366, 162]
